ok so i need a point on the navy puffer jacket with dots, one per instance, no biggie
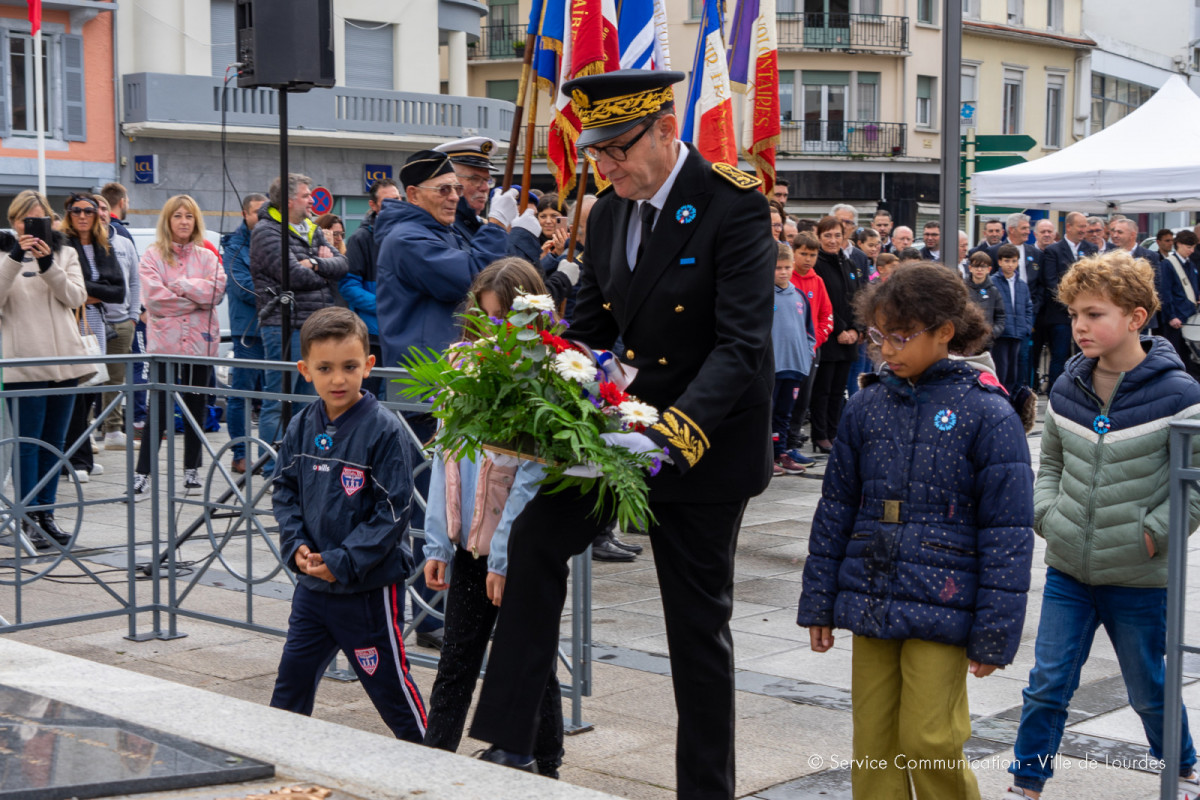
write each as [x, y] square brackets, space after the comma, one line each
[925, 525]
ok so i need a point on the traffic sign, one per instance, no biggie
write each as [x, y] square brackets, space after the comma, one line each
[322, 200]
[1011, 143]
[986, 163]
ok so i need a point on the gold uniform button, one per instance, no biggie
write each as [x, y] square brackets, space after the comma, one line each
[662, 361]
[629, 354]
[678, 309]
[608, 306]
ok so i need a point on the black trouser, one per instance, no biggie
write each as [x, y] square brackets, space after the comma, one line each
[82, 459]
[470, 617]
[694, 545]
[828, 398]
[1172, 335]
[185, 375]
[800, 409]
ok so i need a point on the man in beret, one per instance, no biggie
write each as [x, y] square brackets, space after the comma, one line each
[678, 266]
[424, 271]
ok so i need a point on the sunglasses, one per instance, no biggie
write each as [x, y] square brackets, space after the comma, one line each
[82, 211]
[446, 189]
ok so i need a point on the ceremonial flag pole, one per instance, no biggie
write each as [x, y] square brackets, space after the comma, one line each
[39, 101]
[754, 72]
[532, 32]
[708, 118]
[527, 172]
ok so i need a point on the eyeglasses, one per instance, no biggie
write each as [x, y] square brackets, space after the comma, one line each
[82, 211]
[616, 152]
[446, 189]
[478, 181]
[897, 341]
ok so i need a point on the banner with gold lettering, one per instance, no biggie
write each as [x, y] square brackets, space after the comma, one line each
[754, 72]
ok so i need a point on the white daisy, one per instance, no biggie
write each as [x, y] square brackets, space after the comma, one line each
[634, 412]
[574, 366]
[536, 302]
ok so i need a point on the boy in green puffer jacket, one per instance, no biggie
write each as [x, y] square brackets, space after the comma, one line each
[1101, 501]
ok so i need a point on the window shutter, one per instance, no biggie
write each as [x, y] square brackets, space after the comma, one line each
[74, 106]
[369, 56]
[222, 35]
[5, 86]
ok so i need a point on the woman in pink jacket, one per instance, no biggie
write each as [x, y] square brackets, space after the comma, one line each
[182, 283]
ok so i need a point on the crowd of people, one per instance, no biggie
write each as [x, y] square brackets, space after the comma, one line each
[912, 381]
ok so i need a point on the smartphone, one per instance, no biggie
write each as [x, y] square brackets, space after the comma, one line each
[562, 224]
[39, 227]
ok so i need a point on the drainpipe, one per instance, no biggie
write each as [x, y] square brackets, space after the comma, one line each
[117, 89]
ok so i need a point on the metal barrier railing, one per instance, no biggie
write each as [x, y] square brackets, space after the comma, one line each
[232, 510]
[1184, 479]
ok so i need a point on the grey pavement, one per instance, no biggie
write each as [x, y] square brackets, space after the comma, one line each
[793, 705]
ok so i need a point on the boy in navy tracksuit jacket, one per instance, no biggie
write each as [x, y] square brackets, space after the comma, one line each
[343, 497]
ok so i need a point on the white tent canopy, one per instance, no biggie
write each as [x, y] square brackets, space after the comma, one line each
[1148, 161]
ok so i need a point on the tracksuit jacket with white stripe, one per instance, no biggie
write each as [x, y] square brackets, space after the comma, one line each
[351, 502]
[1104, 469]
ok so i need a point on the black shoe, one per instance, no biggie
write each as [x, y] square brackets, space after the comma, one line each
[432, 640]
[495, 755]
[34, 534]
[604, 549]
[45, 520]
[636, 549]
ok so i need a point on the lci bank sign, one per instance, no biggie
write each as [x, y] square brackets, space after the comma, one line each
[374, 172]
[145, 169]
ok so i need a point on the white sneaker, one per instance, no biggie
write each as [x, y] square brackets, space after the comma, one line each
[80, 475]
[97, 470]
[190, 479]
[1014, 793]
[141, 487]
[1189, 788]
[115, 440]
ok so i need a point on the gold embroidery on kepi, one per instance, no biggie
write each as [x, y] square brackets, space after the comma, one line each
[742, 180]
[683, 435]
[615, 110]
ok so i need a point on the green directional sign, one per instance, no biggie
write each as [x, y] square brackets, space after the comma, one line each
[1012, 143]
[986, 163]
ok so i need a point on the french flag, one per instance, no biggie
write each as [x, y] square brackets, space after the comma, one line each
[642, 29]
[754, 71]
[708, 120]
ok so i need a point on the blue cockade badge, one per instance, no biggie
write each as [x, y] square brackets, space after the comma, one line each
[1102, 424]
[945, 419]
[685, 214]
[323, 441]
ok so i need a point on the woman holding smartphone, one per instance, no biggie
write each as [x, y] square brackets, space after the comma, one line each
[41, 285]
[105, 283]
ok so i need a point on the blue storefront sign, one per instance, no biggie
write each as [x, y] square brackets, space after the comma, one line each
[374, 172]
[145, 169]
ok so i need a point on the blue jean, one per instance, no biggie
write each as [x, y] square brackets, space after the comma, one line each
[783, 400]
[1059, 339]
[268, 417]
[1136, 622]
[857, 367]
[244, 379]
[44, 418]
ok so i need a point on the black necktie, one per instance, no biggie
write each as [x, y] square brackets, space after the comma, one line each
[647, 213]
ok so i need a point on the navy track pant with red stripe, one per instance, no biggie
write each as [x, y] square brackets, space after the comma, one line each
[368, 627]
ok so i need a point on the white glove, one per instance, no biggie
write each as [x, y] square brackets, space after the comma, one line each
[637, 443]
[504, 206]
[528, 222]
[569, 268]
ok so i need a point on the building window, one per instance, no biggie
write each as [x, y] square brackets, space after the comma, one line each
[1054, 110]
[926, 90]
[867, 97]
[970, 9]
[369, 55]
[502, 90]
[695, 10]
[926, 12]
[222, 31]
[1016, 12]
[62, 64]
[787, 95]
[1014, 81]
[1113, 98]
[969, 90]
[503, 12]
[1054, 15]
[870, 7]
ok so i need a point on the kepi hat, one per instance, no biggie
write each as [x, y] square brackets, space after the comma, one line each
[612, 103]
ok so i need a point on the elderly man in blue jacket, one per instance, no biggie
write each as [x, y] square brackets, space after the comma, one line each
[425, 268]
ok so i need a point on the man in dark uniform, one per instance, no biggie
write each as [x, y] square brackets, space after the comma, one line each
[678, 266]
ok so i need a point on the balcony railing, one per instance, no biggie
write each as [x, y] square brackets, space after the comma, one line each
[837, 137]
[800, 30]
[197, 100]
[498, 41]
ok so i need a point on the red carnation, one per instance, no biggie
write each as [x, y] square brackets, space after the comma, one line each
[610, 394]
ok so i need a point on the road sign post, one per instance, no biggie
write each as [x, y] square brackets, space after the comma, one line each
[986, 152]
